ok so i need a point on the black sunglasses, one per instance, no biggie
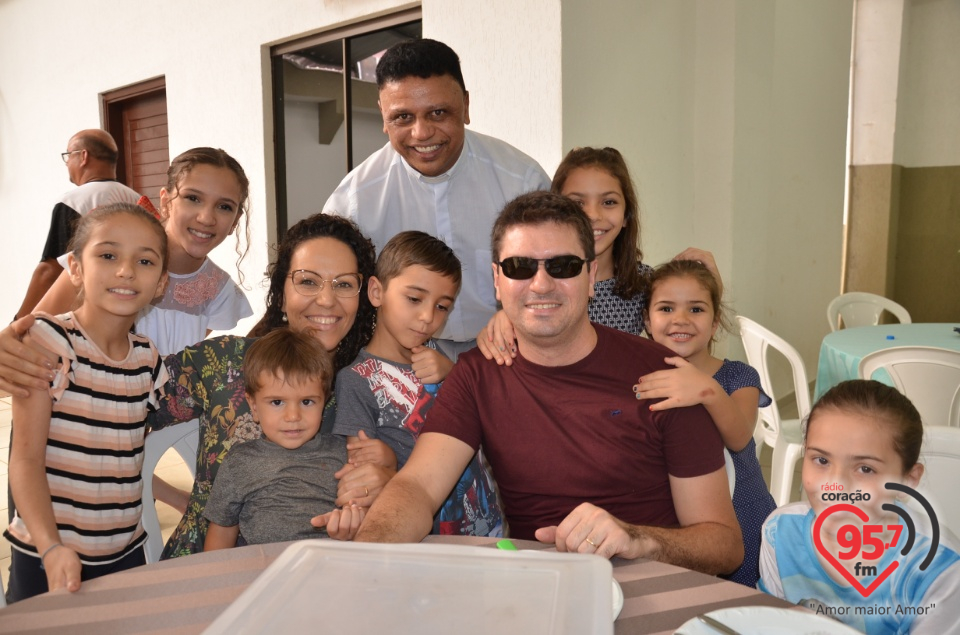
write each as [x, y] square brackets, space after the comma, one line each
[521, 268]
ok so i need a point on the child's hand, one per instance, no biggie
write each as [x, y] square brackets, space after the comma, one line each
[341, 524]
[705, 258]
[62, 566]
[429, 365]
[363, 449]
[361, 484]
[683, 386]
[497, 340]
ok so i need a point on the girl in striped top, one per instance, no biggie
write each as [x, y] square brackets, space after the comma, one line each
[77, 449]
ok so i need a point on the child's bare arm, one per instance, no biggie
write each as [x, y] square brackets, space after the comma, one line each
[687, 386]
[28, 483]
[730, 415]
[220, 537]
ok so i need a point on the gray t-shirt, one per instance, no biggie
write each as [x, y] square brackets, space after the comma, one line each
[273, 492]
[384, 399]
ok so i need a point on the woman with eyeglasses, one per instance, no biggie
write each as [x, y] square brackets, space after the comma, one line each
[317, 286]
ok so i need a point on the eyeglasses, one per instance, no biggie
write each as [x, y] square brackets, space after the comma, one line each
[561, 267]
[308, 283]
[66, 155]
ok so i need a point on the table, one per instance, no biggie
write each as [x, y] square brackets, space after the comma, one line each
[841, 351]
[185, 595]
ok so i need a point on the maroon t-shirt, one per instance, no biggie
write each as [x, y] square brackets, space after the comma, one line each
[560, 436]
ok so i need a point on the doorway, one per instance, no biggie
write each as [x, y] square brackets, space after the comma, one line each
[136, 116]
[327, 121]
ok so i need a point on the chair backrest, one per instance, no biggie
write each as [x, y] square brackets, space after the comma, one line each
[928, 376]
[862, 309]
[154, 447]
[941, 459]
[756, 342]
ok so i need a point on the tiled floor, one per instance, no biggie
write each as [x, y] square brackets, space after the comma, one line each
[171, 468]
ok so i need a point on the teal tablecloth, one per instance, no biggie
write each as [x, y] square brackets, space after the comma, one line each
[841, 351]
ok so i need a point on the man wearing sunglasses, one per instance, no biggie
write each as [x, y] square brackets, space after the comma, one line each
[91, 160]
[580, 462]
[435, 176]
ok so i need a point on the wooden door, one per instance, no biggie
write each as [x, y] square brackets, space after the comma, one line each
[136, 116]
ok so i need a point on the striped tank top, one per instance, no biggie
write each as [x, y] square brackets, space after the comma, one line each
[94, 448]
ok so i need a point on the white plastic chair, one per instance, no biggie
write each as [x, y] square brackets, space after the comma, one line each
[862, 309]
[154, 447]
[731, 471]
[928, 376]
[941, 459]
[783, 435]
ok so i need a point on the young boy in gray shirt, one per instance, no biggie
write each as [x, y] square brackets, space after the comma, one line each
[267, 490]
[387, 390]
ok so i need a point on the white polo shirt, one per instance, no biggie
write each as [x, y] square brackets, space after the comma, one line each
[385, 196]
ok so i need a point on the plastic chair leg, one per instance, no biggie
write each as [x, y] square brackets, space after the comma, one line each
[785, 457]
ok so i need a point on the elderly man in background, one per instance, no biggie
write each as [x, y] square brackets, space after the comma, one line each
[91, 160]
[435, 176]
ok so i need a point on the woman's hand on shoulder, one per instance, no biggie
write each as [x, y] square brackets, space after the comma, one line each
[497, 340]
[24, 364]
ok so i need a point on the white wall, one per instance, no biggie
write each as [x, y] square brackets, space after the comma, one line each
[928, 123]
[732, 117]
[878, 45]
[214, 55]
[731, 114]
[57, 57]
[510, 52]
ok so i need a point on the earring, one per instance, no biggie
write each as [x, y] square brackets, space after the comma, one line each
[283, 318]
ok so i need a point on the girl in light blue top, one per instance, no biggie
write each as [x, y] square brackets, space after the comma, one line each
[860, 436]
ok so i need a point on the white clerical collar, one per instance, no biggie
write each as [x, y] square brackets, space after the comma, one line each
[440, 178]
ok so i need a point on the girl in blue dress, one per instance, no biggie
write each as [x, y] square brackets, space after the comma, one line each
[683, 314]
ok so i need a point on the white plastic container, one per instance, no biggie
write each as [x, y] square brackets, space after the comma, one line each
[336, 587]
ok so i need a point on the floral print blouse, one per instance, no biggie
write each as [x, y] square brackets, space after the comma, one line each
[206, 382]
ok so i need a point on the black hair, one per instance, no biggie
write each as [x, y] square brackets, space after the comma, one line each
[322, 226]
[419, 58]
[870, 398]
[538, 208]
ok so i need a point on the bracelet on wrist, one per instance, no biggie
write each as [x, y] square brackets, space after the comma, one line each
[48, 550]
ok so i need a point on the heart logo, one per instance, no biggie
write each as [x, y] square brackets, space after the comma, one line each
[849, 577]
